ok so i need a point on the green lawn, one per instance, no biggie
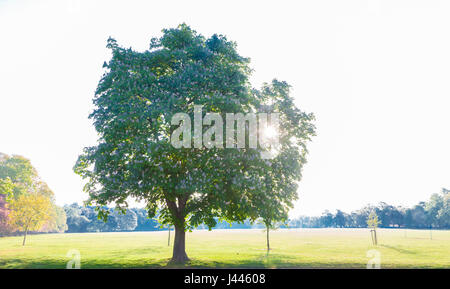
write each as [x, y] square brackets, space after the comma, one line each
[298, 248]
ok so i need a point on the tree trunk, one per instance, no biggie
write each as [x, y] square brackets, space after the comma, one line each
[179, 246]
[373, 235]
[179, 243]
[168, 241]
[268, 245]
[25, 237]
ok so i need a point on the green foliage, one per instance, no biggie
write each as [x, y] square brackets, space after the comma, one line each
[339, 219]
[438, 209]
[29, 212]
[19, 178]
[18, 169]
[60, 220]
[434, 212]
[7, 188]
[86, 219]
[135, 101]
[372, 220]
[444, 213]
[18, 173]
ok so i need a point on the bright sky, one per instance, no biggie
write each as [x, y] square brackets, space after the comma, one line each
[375, 73]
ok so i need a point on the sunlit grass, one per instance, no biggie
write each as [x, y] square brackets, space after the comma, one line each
[304, 248]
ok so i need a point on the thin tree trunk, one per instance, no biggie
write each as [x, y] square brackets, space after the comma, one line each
[168, 241]
[268, 244]
[373, 235]
[25, 236]
[179, 245]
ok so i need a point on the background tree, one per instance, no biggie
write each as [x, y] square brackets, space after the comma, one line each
[21, 174]
[444, 212]
[5, 228]
[135, 101]
[419, 216]
[339, 219]
[18, 177]
[57, 222]
[168, 237]
[326, 220]
[76, 221]
[362, 215]
[271, 213]
[269, 224]
[6, 193]
[373, 222]
[29, 212]
[60, 220]
[437, 209]
[279, 176]
[126, 221]
[6, 188]
[144, 223]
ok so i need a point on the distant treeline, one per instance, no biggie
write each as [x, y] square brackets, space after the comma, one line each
[434, 213]
[85, 219]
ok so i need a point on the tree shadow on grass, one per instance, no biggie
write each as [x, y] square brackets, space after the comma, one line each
[270, 261]
[140, 259]
[275, 261]
[400, 250]
[32, 264]
[105, 263]
[138, 251]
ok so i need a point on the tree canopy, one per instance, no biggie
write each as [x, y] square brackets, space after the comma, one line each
[29, 212]
[18, 178]
[135, 101]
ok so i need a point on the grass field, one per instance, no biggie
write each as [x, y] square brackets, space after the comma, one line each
[295, 248]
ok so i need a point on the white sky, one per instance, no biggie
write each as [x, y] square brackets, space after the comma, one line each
[375, 73]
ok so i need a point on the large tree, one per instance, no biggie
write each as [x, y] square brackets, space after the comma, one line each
[135, 101]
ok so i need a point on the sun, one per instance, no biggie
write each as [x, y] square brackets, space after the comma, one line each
[270, 132]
